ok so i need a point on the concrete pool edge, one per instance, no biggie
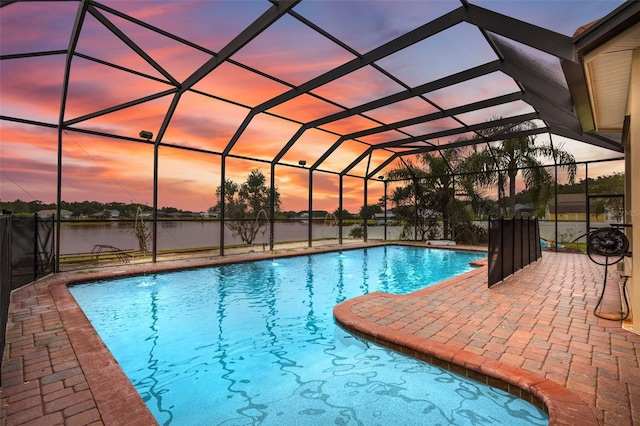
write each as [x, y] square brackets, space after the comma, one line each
[563, 406]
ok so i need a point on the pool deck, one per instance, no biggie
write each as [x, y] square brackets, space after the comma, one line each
[534, 335]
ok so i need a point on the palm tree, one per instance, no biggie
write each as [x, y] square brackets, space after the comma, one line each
[430, 189]
[519, 154]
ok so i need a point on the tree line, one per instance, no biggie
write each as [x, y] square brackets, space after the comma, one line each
[443, 188]
[83, 208]
[128, 210]
[436, 191]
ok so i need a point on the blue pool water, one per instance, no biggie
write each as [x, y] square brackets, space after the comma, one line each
[255, 343]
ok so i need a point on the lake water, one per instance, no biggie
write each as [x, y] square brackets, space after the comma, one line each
[82, 237]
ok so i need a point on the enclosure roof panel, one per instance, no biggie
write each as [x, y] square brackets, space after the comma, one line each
[350, 87]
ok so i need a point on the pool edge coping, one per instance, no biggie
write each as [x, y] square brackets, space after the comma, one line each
[116, 398]
[119, 402]
[563, 406]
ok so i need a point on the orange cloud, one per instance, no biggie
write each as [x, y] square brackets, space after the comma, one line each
[343, 155]
[305, 108]
[359, 87]
[237, 84]
[402, 110]
[108, 169]
[114, 88]
[487, 86]
[431, 126]
[31, 87]
[310, 147]
[264, 137]
[350, 124]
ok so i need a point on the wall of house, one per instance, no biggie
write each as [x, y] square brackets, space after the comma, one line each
[632, 157]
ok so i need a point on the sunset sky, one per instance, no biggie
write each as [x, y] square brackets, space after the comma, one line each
[120, 169]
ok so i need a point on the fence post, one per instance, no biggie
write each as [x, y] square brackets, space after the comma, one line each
[5, 274]
[502, 247]
[35, 246]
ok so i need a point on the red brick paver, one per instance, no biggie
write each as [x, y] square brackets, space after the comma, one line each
[535, 330]
[534, 335]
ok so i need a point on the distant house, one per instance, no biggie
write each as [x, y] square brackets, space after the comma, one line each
[106, 214]
[379, 217]
[64, 214]
[523, 210]
[571, 207]
[100, 215]
[315, 215]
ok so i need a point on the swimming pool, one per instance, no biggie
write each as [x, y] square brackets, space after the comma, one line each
[255, 343]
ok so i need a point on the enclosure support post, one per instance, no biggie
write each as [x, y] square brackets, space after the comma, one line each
[415, 208]
[385, 210]
[453, 208]
[310, 217]
[340, 210]
[35, 245]
[555, 201]
[222, 203]
[73, 43]
[365, 210]
[154, 236]
[586, 196]
[56, 267]
[272, 207]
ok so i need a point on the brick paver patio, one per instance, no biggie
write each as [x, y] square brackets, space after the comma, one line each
[536, 330]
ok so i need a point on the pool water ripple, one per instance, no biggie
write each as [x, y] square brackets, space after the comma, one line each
[256, 344]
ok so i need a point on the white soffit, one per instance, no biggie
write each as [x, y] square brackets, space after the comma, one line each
[608, 70]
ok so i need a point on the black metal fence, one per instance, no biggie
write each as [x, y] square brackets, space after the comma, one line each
[31, 248]
[26, 253]
[513, 244]
[5, 275]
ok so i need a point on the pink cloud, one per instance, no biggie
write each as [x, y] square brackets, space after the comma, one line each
[36, 26]
[115, 87]
[114, 170]
[359, 87]
[305, 108]
[237, 84]
[402, 110]
[31, 87]
[311, 55]
[350, 124]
